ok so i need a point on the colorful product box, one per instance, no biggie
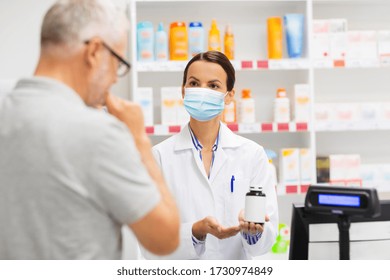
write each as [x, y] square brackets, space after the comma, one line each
[384, 46]
[144, 97]
[169, 100]
[346, 112]
[305, 172]
[289, 167]
[322, 166]
[302, 103]
[172, 108]
[368, 48]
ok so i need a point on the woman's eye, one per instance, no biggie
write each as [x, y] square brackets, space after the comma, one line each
[193, 84]
[214, 86]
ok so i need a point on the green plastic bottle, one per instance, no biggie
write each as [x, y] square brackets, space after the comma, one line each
[282, 240]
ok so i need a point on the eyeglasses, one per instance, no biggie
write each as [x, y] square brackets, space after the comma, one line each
[123, 66]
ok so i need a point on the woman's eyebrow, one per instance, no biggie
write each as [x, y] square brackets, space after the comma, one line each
[192, 77]
[216, 80]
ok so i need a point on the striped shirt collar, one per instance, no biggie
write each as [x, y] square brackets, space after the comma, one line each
[198, 146]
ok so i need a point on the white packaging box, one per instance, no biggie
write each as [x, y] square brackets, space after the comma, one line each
[302, 103]
[352, 167]
[321, 46]
[338, 25]
[336, 168]
[384, 184]
[369, 111]
[305, 176]
[369, 173]
[323, 112]
[353, 48]
[289, 167]
[321, 26]
[346, 112]
[385, 112]
[338, 38]
[321, 39]
[384, 46]
[338, 45]
[368, 45]
[169, 104]
[144, 97]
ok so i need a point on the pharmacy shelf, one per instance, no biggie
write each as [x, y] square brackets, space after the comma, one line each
[330, 81]
[292, 189]
[240, 128]
[351, 126]
[351, 63]
[275, 64]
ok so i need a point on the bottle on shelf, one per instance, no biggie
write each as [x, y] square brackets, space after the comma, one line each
[229, 114]
[246, 107]
[145, 41]
[282, 240]
[281, 107]
[229, 42]
[271, 156]
[178, 41]
[275, 38]
[214, 37]
[294, 28]
[195, 38]
[161, 43]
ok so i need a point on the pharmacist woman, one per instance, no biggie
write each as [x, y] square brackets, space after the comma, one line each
[209, 170]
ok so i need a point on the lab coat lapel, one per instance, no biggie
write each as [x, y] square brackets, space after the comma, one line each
[200, 166]
[219, 161]
[184, 142]
[227, 140]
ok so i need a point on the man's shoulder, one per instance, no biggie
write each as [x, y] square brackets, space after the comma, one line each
[95, 123]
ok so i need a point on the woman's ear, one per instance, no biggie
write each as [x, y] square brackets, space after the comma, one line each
[230, 96]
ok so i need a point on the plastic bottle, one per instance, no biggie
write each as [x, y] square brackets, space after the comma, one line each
[229, 42]
[282, 240]
[214, 37]
[246, 107]
[255, 204]
[281, 107]
[178, 41]
[145, 41]
[275, 38]
[229, 114]
[195, 38]
[271, 156]
[294, 29]
[161, 44]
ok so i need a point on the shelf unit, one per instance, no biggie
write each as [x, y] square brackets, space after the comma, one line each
[329, 80]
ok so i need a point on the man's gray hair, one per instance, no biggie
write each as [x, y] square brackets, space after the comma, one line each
[71, 22]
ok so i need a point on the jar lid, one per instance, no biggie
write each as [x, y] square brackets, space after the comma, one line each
[178, 24]
[256, 188]
[281, 93]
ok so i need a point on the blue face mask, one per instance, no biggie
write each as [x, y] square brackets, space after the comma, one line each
[203, 104]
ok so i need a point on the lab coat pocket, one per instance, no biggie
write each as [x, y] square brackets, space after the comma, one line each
[235, 200]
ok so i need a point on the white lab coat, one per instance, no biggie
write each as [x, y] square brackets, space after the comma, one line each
[198, 196]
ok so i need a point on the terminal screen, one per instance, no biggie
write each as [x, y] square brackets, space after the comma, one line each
[339, 200]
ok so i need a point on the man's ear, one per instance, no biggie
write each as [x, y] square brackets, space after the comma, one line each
[92, 52]
[230, 96]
